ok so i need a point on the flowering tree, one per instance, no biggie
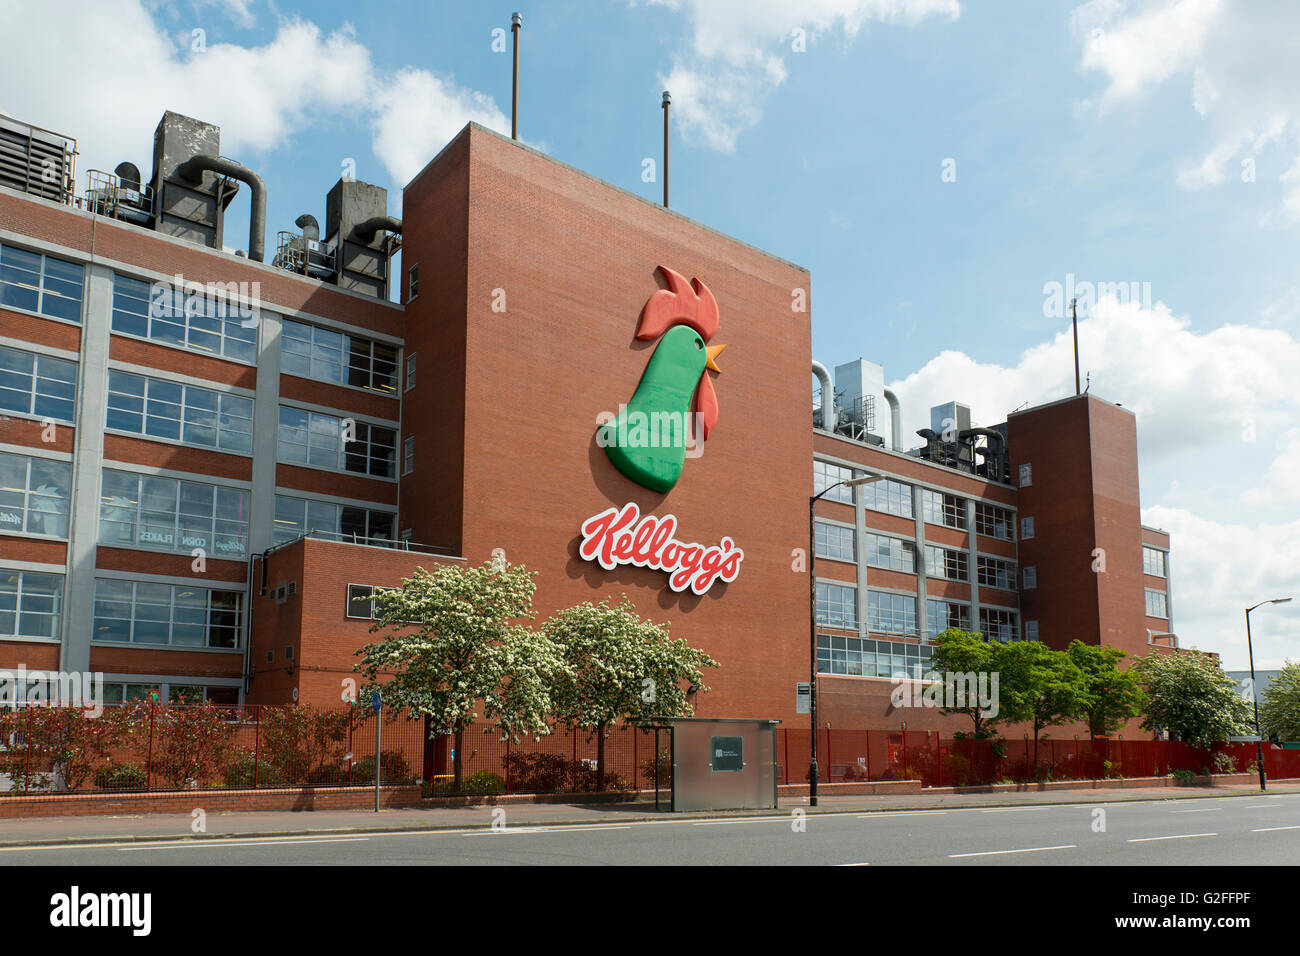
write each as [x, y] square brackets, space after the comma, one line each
[1279, 706]
[1192, 698]
[453, 640]
[618, 666]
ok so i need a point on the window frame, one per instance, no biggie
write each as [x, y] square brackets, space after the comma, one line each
[43, 278]
[178, 314]
[19, 611]
[32, 387]
[26, 512]
[210, 612]
[178, 546]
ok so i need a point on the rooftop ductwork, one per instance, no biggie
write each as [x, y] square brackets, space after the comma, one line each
[309, 226]
[895, 421]
[829, 417]
[366, 231]
[192, 171]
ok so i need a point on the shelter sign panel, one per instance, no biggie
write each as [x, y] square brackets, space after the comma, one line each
[728, 754]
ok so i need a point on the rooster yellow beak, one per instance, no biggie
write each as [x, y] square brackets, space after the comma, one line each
[712, 352]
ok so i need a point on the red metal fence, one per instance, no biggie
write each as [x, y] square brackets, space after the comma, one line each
[149, 746]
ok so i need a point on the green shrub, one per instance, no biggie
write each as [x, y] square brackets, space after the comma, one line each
[538, 772]
[956, 771]
[239, 775]
[120, 776]
[1185, 776]
[483, 781]
[1225, 763]
[391, 762]
[665, 762]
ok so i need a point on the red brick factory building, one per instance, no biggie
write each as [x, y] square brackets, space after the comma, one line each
[200, 503]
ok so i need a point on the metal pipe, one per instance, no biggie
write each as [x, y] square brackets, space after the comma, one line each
[829, 417]
[192, 171]
[895, 421]
[667, 102]
[365, 231]
[516, 24]
[309, 226]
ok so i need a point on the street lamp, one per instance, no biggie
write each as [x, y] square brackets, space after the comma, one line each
[1254, 695]
[812, 618]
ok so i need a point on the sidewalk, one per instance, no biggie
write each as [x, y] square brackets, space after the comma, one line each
[102, 829]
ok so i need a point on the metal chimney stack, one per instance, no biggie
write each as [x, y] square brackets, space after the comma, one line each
[516, 24]
[667, 101]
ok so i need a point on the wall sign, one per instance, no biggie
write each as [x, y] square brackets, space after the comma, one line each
[675, 393]
[623, 536]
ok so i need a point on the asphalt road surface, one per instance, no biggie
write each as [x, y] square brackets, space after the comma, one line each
[1249, 830]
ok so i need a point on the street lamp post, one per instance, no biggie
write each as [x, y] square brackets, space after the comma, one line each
[812, 619]
[1254, 695]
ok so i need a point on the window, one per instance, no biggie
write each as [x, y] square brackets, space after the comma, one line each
[998, 625]
[1153, 561]
[833, 541]
[942, 615]
[826, 475]
[116, 693]
[173, 411]
[1031, 630]
[1026, 475]
[893, 553]
[34, 495]
[410, 372]
[40, 283]
[33, 384]
[408, 455]
[180, 615]
[1026, 528]
[1030, 576]
[1157, 603]
[316, 440]
[145, 511]
[891, 497]
[412, 282]
[994, 522]
[946, 563]
[947, 510]
[891, 613]
[837, 606]
[295, 517]
[996, 573]
[364, 601]
[30, 604]
[864, 657]
[313, 352]
[212, 326]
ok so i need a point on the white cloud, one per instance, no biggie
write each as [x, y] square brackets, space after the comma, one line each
[119, 70]
[1219, 450]
[1238, 61]
[736, 59]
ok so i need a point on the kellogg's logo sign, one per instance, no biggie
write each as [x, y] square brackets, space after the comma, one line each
[622, 536]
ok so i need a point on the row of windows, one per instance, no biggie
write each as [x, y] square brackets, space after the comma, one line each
[364, 601]
[172, 515]
[947, 510]
[999, 625]
[994, 522]
[826, 475]
[1157, 603]
[889, 613]
[39, 385]
[833, 541]
[324, 441]
[30, 603]
[157, 408]
[894, 553]
[889, 496]
[34, 495]
[40, 283]
[949, 563]
[1153, 561]
[942, 615]
[179, 615]
[172, 316]
[995, 573]
[119, 692]
[294, 517]
[863, 657]
[313, 352]
[837, 605]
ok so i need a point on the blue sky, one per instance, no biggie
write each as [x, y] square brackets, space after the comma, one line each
[1150, 142]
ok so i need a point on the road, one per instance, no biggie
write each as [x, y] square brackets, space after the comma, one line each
[1254, 830]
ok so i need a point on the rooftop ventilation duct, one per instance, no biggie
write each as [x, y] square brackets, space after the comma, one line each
[895, 421]
[192, 171]
[829, 417]
[365, 231]
[309, 226]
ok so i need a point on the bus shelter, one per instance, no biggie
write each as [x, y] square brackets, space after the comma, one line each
[719, 763]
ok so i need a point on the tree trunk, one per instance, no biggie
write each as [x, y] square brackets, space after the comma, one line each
[458, 775]
[1035, 750]
[600, 756]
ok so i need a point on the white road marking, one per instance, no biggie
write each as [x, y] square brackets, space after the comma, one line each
[1271, 829]
[1201, 810]
[1180, 836]
[852, 864]
[889, 814]
[1029, 849]
[221, 844]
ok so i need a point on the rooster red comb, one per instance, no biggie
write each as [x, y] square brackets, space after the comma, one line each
[682, 303]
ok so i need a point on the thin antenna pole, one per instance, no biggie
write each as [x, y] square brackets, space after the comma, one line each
[516, 23]
[1074, 322]
[667, 102]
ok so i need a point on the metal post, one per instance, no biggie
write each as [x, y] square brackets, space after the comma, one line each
[27, 770]
[379, 725]
[516, 23]
[1074, 322]
[635, 731]
[257, 740]
[656, 768]
[148, 773]
[667, 101]
[812, 645]
[1254, 699]
[350, 750]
